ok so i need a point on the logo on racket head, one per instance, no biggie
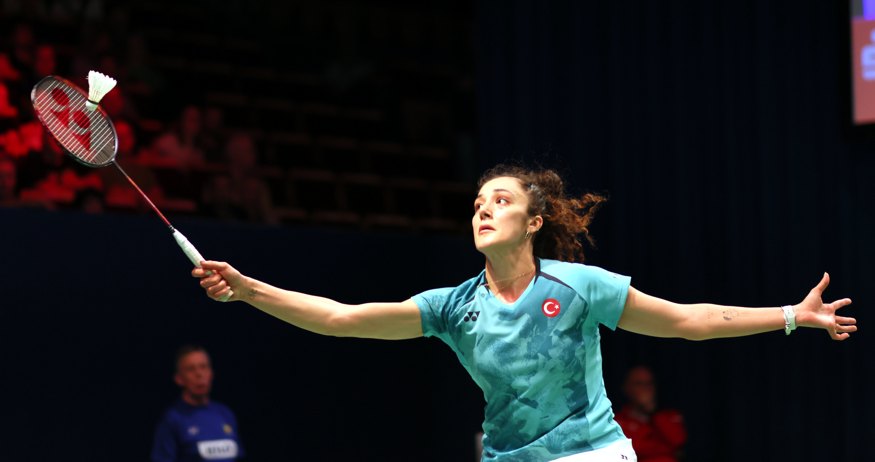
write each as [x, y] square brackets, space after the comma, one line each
[80, 128]
[551, 307]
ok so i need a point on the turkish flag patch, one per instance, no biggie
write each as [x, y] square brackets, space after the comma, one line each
[550, 307]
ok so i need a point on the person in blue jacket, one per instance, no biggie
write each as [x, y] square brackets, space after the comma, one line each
[526, 328]
[196, 428]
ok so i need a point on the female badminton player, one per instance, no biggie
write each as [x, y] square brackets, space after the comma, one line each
[526, 327]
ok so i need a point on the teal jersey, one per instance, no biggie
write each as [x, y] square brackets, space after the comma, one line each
[537, 360]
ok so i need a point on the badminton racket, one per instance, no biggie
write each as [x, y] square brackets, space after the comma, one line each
[86, 132]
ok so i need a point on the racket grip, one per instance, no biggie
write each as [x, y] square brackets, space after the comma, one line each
[188, 249]
[193, 255]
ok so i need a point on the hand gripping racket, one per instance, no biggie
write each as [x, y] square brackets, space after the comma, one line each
[85, 131]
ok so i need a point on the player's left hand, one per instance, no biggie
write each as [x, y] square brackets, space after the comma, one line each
[219, 280]
[812, 312]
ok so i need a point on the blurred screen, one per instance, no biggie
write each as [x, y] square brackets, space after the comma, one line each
[863, 44]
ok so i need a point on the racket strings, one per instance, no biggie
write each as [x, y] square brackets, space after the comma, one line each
[100, 150]
[98, 138]
[67, 137]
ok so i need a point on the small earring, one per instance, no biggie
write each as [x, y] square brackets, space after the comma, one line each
[527, 235]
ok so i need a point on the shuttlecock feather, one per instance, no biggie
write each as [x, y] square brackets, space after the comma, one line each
[98, 86]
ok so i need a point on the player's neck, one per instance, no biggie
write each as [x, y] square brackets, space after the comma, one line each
[195, 400]
[507, 264]
[509, 275]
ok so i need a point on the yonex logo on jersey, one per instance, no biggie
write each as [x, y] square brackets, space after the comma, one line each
[551, 307]
[471, 316]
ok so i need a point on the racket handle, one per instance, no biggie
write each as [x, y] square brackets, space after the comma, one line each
[188, 249]
[193, 255]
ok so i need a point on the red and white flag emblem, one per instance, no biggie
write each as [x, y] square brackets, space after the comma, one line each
[551, 307]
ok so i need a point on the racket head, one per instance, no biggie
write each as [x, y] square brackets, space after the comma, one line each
[87, 136]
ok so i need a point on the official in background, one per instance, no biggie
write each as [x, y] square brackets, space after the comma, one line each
[196, 428]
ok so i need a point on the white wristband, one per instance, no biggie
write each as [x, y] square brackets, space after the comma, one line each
[789, 318]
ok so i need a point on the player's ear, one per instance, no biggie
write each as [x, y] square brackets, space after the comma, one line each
[177, 379]
[535, 224]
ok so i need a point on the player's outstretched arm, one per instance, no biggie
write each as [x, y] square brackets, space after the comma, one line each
[391, 321]
[648, 315]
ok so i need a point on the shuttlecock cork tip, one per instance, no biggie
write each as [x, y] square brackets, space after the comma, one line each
[98, 86]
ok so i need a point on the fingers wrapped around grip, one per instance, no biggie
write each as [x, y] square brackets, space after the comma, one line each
[217, 278]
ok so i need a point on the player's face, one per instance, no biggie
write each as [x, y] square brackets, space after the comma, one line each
[501, 215]
[194, 374]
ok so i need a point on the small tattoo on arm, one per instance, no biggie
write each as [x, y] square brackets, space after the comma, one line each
[252, 293]
[730, 314]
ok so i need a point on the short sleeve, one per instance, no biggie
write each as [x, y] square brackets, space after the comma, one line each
[433, 305]
[605, 293]
[164, 444]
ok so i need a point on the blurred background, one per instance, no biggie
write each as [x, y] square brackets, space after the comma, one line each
[333, 147]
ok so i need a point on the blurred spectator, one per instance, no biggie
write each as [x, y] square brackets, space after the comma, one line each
[22, 44]
[658, 435]
[118, 106]
[32, 61]
[195, 427]
[38, 153]
[21, 58]
[8, 112]
[128, 141]
[213, 136]
[46, 174]
[127, 138]
[180, 146]
[8, 72]
[45, 62]
[242, 194]
[28, 137]
[8, 182]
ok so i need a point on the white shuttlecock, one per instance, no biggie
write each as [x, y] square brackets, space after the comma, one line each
[98, 86]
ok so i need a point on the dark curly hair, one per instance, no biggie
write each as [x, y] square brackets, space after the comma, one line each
[566, 219]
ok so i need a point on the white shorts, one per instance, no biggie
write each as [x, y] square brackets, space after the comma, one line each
[621, 451]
